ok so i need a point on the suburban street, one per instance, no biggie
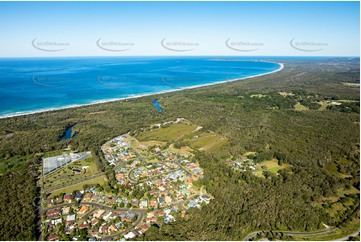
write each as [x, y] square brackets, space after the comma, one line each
[140, 213]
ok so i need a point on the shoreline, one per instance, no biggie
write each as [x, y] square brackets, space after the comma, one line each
[24, 113]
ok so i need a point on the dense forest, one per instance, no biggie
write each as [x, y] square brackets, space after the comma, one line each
[320, 142]
[18, 204]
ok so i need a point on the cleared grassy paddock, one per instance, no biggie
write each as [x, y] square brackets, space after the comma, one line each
[271, 166]
[207, 141]
[79, 186]
[300, 107]
[173, 132]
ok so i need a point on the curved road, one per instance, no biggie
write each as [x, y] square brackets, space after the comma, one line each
[327, 230]
[109, 237]
[346, 237]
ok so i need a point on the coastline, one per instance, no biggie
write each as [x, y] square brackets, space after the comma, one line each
[24, 113]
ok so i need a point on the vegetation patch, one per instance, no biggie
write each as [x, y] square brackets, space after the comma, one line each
[259, 95]
[345, 231]
[14, 163]
[271, 166]
[300, 107]
[207, 141]
[351, 84]
[169, 133]
[333, 169]
[285, 94]
[80, 186]
[323, 105]
[183, 150]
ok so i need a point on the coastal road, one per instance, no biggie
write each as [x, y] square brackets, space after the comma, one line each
[346, 237]
[327, 230]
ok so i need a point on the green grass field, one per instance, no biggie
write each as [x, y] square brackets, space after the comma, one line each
[351, 84]
[300, 107]
[332, 168]
[272, 166]
[13, 164]
[323, 104]
[207, 141]
[173, 132]
[55, 153]
[184, 150]
[340, 193]
[79, 186]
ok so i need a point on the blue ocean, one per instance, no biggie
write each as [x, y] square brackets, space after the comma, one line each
[35, 84]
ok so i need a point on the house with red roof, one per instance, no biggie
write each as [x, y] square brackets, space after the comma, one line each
[119, 176]
[87, 196]
[94, 221]
[103, 229]
[53, 237]
[112, 228]
[59, 200]
[144, 227]
[68, 198]
[83, 226]
[153, 203]
[151, 220]
[83, 209]
[51, 213]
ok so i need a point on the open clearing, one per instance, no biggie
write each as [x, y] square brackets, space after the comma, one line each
[341, 193]
[80, 186]
[173, 132]
[300, 107]
[285, 94]
[55, 153]
[323, 104]
[332, 168]
[351, 84]
[207, 141]
[152, 143]
[184, 150]
[14, 163]
[258, 95]
[271, 166]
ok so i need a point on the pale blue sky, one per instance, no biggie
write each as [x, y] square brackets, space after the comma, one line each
[266, 28]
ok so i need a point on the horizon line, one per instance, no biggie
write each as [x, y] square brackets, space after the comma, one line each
[335, 56]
